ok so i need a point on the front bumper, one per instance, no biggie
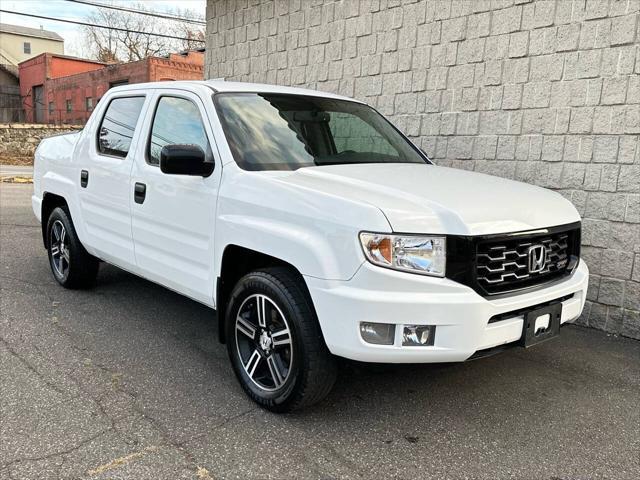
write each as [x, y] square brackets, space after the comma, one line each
[461, 315]
[36, 205]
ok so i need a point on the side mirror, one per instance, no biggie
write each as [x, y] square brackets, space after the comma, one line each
[184, 160]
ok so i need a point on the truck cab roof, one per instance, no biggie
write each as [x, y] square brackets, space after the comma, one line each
[225, 86]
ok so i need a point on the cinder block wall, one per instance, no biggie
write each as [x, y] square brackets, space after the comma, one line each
[546, 92]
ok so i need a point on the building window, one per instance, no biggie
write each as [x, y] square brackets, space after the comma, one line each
[51, 109]
[26, 46]
[88, 102]
[69, 109]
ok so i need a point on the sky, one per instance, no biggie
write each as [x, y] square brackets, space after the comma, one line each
[75, 11]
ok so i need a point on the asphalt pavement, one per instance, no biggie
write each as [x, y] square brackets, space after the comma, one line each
[128, 381]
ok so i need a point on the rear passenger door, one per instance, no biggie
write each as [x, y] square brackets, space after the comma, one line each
[104, 178]
[173, 221]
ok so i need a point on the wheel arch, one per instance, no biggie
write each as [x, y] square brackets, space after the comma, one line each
[50, 201]
[236, 262]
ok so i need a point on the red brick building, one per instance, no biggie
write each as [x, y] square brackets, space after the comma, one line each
[62, 89]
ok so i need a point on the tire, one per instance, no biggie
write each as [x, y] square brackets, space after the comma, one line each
[72, 266]
[279, 376]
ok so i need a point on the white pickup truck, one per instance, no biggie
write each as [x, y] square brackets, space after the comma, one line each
[312, 225]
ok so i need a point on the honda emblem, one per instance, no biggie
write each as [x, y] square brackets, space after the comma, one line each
[537, 258]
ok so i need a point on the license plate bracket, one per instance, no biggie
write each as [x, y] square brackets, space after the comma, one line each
[534, 331]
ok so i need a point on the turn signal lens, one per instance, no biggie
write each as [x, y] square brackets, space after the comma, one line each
[380, 248]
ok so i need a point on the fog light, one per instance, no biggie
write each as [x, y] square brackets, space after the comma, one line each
[378, 333]
[418, 335]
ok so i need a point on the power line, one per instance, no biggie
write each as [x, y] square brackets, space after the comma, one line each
[87, 24]
[141, 12]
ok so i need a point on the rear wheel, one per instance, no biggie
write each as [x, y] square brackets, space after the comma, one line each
[275, 343]
[72, 266]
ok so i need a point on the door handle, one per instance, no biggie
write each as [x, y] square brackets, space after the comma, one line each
[84, 178]
[139, 192]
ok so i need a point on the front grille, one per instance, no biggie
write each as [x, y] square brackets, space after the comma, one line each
[503, 265]
[499, 264]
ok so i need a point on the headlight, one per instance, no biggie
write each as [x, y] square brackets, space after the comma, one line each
[424, 254]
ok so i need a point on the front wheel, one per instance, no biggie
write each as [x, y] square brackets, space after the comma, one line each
[275, 343]
[72, 266]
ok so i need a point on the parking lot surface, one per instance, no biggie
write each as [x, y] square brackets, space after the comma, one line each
[128, 380]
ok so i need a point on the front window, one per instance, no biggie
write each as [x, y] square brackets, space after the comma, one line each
[287, 132]
[177, 121]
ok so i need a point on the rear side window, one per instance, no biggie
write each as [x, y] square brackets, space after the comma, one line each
[177, 122]
[118, 125]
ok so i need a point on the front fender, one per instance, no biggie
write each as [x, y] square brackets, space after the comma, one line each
[315, 232]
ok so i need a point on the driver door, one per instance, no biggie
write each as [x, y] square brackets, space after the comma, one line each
[173, 216]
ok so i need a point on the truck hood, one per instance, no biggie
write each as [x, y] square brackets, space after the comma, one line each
[429, 199]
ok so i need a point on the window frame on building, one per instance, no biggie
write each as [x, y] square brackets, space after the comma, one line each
[26, 48]
[69, 105]
[110, 153]
[88, 104]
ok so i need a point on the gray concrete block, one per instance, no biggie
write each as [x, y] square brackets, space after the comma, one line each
[632, 119]
[632, 211]
[631, 324]
[581, 120]
[588, 63]
[506, 20]
[454, 29]
[611, 291]
[614, 91]
[568, 36]
[605, 149]
[632, 296]
[471, 50]
[609, 178]
[546, 68]
[629, 180]
[553, 148]
[635, 276]
[518, 44]
[596, 9]
[623, 29]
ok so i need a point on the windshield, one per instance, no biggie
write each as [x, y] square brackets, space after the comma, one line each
[287, 132]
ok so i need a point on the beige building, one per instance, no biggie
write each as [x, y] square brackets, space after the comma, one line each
[18, 44]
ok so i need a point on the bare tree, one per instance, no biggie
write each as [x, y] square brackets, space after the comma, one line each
[194, 34]
[103, 43]
[136, 42]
